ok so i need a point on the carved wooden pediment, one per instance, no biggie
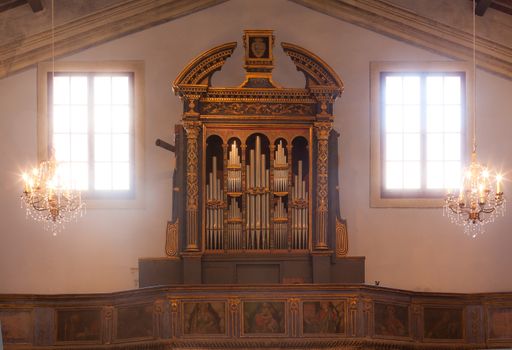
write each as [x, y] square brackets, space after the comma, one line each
[258, 95]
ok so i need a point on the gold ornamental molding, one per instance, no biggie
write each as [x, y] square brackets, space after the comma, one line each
[317, 72]
[398, 23]
[106, 24]
[171, 240]
[341, 239]
[199, 71]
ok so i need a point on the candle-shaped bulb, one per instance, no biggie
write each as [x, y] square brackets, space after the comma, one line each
[499, 178]
[25, 178]
[461, 193]
[481, 193]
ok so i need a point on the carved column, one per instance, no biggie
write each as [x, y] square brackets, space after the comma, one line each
[193, 128]
[322, 130]
[295, 318]
[174, 318]
[158, 311]
[352, 317]
[234, 310]
[108, 325]
[368, 317]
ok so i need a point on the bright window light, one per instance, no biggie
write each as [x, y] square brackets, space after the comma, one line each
[92, 131]
[422, 131]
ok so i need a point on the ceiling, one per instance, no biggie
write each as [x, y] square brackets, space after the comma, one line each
[441, 26]
[35, 5]
[504, 6]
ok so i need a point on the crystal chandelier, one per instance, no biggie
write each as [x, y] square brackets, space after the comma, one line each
[46, 199]
[480, 199]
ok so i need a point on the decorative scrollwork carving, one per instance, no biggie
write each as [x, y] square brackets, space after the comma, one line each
[341, 238]
[258, 95]
[175, 304]
[257, 108]
[322, 130]
[317, 72]
[234, 305]
[216, 204]
[294, 304]
[171, 238]
[193, 129]
[299, 203]
[200, 70]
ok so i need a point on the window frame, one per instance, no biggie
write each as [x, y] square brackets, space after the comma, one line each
[134, 197]
[379, 197]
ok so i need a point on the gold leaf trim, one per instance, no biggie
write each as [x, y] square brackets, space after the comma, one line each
[341, 239]
[171, 240]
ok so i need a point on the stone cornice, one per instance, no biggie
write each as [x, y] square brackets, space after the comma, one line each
[109, 23]
[387, 19]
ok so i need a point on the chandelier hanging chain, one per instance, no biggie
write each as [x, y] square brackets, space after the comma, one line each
[46, 197]
[53, 42]
[480, 199]
[474, 75]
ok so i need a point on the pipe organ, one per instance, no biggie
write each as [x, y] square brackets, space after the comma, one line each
[266, 198]
[256, 168]
[255, 149]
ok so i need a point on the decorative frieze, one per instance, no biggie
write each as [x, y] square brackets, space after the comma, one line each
[259, 317]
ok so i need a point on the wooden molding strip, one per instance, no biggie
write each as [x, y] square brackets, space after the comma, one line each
[395, 22]
[101, 26]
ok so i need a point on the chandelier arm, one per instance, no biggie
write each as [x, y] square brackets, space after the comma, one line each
[487, 210]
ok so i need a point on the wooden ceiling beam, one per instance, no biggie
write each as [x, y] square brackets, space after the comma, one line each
[504, 6]
[109, 23]
[35, 5]
[10, 4]
[482, 6]
[384, 18]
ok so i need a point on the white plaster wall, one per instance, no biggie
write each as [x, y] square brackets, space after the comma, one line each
[416, 249]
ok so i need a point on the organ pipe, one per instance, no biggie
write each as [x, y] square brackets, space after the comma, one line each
[234, 170]
[234, 235]
[258, 210]
[300, 214]
[280, 170]
[215, 211]
[252, 217]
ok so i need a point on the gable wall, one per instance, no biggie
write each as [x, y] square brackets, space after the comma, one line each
[416, 249]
